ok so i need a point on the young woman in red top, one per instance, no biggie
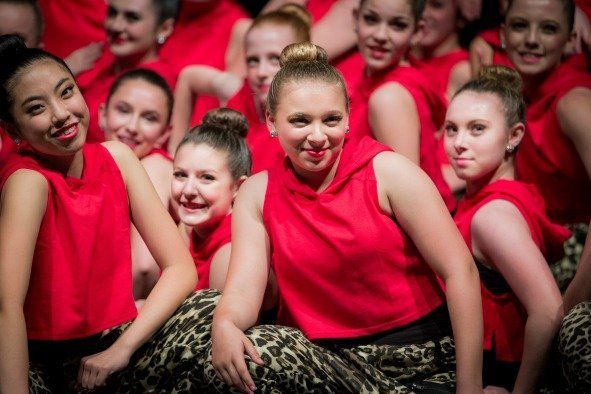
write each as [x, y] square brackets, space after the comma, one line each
[210, 164]
[345, 225]
[135, 31]
[505, 225]
[137, 113]
[65, 264]
[394, 102]
[265, 39]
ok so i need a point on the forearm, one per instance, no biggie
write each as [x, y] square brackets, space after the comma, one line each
[237, 309]
[175, 284]
[14, 360]
[539, 333]
[465, 309]
[184, 100]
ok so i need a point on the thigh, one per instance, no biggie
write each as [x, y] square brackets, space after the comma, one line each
[574, 348]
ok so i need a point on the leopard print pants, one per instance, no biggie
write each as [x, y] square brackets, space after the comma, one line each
[574, 348]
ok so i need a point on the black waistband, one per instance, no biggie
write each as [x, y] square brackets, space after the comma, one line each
[431, 327]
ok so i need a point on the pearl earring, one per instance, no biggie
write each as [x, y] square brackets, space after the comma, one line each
[161, 39]
[510, 148]
[273, 133]
[17, 141]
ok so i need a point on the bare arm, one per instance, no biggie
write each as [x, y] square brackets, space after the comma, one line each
[22, 207]
[394, 120]
[496, 228]
[219, 267]
[194, 81]
[481, 54]
[235, 54]
[178, 277]
[460, 74]
[422, 214]
[338, 22]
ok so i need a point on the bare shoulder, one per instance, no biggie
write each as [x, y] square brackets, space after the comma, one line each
[394, 166]
[575, 100]
[26, 181]
[119, 151]
[498, 218]
[157, 164]
[388, 92]
[252, 191]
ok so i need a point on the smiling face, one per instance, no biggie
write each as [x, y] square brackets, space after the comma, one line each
[476, 135]
[47, 108]
[132, 27]
[440, 18]
[137, 115]
[202, 186]
[536, 32]
[310, 122]
[384, 31]
[264, 44]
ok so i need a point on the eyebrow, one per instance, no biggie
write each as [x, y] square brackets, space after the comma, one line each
[33, 98]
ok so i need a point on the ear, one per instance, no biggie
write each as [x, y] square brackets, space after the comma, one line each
[237, 185]
[270, 120]
[503, 35]
[160, 141]
[10, 129]
[166, 28]
[516, 134]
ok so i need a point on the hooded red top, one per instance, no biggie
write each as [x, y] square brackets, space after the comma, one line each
[504, 316]
[547, 158]
[344, 267]
[95, 85]
[203, 250]
[70, 25]
[81, 280]
[431, 110]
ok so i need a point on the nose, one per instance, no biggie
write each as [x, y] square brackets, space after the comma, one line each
[60, 113]
[459, 141]
[190, 189]
[115, 23]
[532, 38]
[132, 124]
[263, 69]
[316, 137]
[381, 33]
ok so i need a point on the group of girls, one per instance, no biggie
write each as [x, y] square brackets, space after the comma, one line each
[339, 229]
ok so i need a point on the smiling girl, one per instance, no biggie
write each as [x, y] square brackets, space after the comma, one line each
[394, 102]
[65, 256]
[522, 306]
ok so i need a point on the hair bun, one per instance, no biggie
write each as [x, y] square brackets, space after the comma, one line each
[296, 11]
[227, 119]
[10, 46]
[508, 78]
[302, 52]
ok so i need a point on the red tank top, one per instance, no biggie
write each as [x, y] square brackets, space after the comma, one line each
[80, 280]
[344, 267]
[161, 152]
[547, 158]
[203, 250]
[95, 85]
[70, 25]
[7, 147]
[431, 110]
[504, 316]
[437, 69]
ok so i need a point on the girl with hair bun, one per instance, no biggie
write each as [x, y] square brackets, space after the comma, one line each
[137, 113]
[522, 306]
[394, 103]
[266, 37]
[65, 258]
[356, 233]
[210, 164]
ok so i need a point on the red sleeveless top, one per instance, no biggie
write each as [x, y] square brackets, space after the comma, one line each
[437, 69]
[504, 316]
[203, 250]
[344, 267]
[547, 158]
[431, 110]
[81, 279]
[95, 85]
[70, 25]
[7, 146]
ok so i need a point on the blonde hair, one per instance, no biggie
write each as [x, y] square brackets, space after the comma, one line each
[506, 84]
[290, 14]
[303, 61]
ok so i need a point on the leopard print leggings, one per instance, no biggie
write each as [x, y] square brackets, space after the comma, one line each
[169, 362]
[574, 348]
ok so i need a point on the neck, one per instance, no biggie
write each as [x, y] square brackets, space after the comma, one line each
[505, 171]
[372, 73]
[204, 232]
[132, 61]
[532, 83]
[449, 44]
[70, 166]
[259, 106]
[320, 180]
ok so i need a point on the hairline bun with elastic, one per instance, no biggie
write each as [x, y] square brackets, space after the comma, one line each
[302, 52]
[227, 119]
[506, 77]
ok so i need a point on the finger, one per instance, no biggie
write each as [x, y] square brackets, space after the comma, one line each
[236, 378]
[242, 370]
[226, 377]
[101, 378]
[92, 378]
[251, 352]
[81, 371]
[86, 376]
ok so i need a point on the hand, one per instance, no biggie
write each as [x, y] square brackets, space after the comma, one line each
[481, 54]
[495, 390]
[470, 9]
[229, 345]
[83, 59]
[95, 369]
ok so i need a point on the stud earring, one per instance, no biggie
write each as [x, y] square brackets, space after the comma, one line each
[347, 130]
[510, 148]
[273, 133]
[17, 141]
[161, 39]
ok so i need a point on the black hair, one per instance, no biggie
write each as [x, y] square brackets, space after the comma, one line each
[15, 57]
[166, 9]
[39, 22]
[224, 130]
[149, 76]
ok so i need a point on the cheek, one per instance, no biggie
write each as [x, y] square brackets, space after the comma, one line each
[176, 190]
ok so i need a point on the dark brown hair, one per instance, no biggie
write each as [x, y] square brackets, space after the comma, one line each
[290, 14]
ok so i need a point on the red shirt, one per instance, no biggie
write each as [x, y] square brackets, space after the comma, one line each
[547, 158]
[95, 85]
[203, 250]
[80, 281]
[431, 111]
[70, 25]
[7, 146]
[437, 69]
[504, 316]
[344, 267]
